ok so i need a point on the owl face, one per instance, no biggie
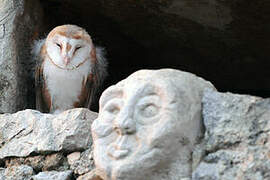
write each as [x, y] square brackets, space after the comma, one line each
[68, 46]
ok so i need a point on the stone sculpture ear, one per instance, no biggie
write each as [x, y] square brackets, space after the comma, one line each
[147, 126]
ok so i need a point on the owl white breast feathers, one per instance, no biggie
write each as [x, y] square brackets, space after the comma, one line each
[69, 69]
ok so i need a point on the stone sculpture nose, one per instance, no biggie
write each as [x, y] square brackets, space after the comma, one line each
[124, 124]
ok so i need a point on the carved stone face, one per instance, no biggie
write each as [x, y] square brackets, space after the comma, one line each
[144, 122]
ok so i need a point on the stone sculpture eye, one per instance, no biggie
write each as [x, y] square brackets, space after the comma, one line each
[111, 109]
[148, 109]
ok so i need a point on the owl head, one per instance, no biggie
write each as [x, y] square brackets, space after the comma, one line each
[68, 46]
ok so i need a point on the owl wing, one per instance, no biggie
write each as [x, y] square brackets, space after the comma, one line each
[39, 79]
[99, 73]
[39, 87]
[90, 89]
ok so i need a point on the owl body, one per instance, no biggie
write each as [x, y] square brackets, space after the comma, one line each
[69, 71]
[65, 87]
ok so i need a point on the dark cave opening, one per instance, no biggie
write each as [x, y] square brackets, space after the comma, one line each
[139, 40]
[123, 53]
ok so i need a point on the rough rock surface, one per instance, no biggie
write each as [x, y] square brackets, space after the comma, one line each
[31, 132]
[53, 175]
[56, 147]
[56, 161]
[92, 175]
[19, 20]
[236, 143]
[83, 163]
[22, 172]
[237, 140]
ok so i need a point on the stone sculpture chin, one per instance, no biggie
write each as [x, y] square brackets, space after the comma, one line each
[148, 125]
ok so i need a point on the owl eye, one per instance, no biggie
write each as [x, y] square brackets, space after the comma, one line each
[59, 45]
[78, 47]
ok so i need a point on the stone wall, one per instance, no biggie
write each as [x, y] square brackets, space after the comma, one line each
[38, 146]
[235, 145]
[18, 28]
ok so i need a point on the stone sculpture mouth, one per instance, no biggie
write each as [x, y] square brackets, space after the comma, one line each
[117, 152]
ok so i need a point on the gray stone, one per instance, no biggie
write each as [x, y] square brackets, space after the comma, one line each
[19, 22]
[53, 175]
[231, 119]
[92, 175]
[81, 163]
[22, 172]
[73, 157]
[237, 137]
[30, 131]
[56, 161]
[206, 171]
[35, 162]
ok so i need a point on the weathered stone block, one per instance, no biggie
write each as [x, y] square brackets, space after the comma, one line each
[237, 137]
[31, 132]
[53, 175]
[19, 24]
[81, 163]
[22, 172]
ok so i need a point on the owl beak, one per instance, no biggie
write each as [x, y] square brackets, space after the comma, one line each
[66, 60]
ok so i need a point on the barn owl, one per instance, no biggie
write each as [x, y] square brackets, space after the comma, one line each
[69, 69]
